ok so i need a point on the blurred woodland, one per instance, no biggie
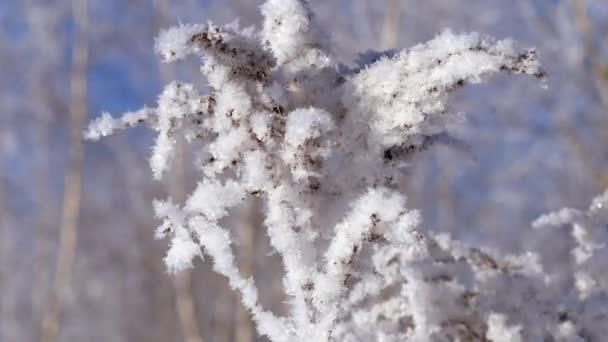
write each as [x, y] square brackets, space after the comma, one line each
[78, 259]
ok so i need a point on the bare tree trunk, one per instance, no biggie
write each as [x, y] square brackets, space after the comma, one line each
[41, 271]
[223, 308]
[182, 282]
[46, 103]
[392, 19]
[247, 248]
[599, 76]
[5, 319]
[599, 68]
[73, 179]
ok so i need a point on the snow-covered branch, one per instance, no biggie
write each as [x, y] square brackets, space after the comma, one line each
[324, 146]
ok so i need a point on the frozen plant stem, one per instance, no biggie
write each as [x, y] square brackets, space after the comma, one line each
[324, 146]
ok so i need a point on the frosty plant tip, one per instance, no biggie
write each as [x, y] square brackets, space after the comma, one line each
[323, 146]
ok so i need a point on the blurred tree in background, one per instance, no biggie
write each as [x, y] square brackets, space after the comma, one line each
[530, 151]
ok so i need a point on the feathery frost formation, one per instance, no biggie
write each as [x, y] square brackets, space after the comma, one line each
[324, 146]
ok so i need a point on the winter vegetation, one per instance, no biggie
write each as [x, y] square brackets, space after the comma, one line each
[329, 184]
[326, 147]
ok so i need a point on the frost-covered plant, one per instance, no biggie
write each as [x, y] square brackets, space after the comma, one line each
[445, 290]
[324, 145]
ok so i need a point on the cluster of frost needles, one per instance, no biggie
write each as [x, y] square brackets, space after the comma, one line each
[324, 147]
